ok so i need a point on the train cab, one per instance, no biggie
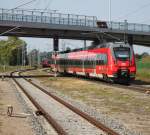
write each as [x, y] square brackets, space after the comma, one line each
[123, 62]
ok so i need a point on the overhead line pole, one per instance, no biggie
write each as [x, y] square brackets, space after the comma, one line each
[110, 10]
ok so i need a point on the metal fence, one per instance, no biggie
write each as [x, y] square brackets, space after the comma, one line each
[128, 26]
[66, 19]
[47, 17]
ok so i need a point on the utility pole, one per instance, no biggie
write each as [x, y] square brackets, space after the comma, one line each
[38, 57]
[110, 10]
[84, 45]
[125, 30]
[63, 45]
[22, 54]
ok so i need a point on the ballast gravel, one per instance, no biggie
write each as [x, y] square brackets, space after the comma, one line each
[103, 118]
[71, 122]
[38, 124]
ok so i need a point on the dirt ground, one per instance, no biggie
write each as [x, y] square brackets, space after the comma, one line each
[129, 107]
[18, 124]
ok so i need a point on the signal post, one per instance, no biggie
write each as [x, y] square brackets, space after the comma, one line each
[55, 48]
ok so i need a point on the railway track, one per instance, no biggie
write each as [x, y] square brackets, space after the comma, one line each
[48, 117]
[60, 130]
[135, 87]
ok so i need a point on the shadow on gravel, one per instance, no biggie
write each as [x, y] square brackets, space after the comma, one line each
[140, 82]
[18, 116]
[14, 115]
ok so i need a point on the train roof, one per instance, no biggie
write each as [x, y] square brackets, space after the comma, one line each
[102, 45]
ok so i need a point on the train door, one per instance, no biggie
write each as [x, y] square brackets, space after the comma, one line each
[83, 68]
[101, 63]
[97, 67]
[94, 64]
[105, 61]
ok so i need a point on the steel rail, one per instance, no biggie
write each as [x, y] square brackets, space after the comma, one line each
[26, 76]
[49, 118]
[84, 115]
[133, 87]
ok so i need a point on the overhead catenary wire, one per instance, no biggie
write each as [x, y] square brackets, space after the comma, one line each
[16, 27]
[36, 5]
[48, 4]
[1, 34]
[145, 21]
[139, 9]
[46, 9]
[24, 4]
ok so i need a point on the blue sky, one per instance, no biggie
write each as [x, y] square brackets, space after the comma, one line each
[136, 11]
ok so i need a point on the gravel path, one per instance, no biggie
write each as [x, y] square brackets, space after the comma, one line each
[19, 124]
[37, 123]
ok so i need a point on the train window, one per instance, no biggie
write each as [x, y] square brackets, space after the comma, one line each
[105, 59]
[101, 59]
[78, 63]
[74, 63]
[122, 53]
[70, 61]
[57, 61]
[63, 61]
[66, 62]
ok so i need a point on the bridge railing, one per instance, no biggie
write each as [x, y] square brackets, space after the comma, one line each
[128, 26]
[47, 17]
[20, 15]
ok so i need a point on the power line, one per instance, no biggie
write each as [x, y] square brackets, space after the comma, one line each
[145, 21]
[50, 1]
[16, 26]
[37, 9]
[24, 4]
[37, 3]
[9, 30]
[134, 11]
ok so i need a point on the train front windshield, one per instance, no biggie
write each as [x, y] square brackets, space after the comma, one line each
[122, 53]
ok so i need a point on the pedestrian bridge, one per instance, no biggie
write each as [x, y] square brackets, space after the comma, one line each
[31, 23]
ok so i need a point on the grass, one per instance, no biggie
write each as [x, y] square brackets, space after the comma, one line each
[94, 95]
[11, 68]
[143, 69]
[118, 103]
[143, 74]
[99, 96]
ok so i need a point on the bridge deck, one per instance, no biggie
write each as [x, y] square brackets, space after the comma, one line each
[68, 26]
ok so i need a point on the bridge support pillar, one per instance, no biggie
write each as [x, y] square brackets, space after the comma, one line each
[130, 40]
[84, 44]
[56, 44]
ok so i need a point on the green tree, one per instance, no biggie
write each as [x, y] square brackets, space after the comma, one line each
[11, 51]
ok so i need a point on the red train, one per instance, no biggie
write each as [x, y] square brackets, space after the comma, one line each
[111, 61]
[45, 63]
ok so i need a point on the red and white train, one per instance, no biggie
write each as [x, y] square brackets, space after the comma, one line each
[45, 63]
[111, 61]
